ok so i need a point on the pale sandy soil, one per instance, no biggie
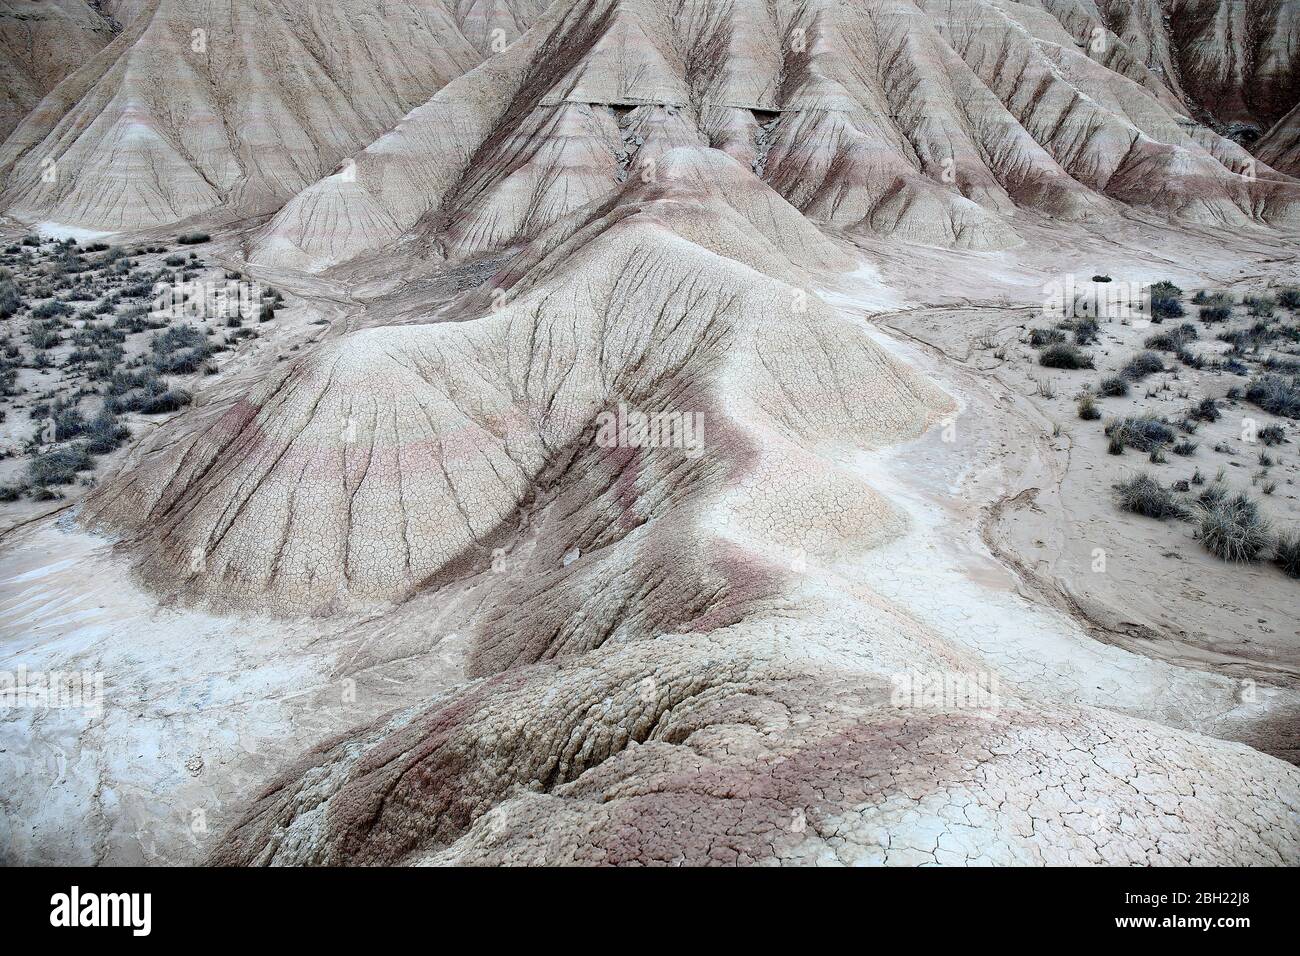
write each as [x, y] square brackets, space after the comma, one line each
[198, 710]
[1038, 505]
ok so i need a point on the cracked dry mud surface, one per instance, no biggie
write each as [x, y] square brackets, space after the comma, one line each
[391, 599]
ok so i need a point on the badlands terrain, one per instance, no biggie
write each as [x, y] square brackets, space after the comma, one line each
[650, 432]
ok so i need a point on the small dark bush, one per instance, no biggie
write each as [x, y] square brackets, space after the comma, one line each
[105, 433]
[1040, 337]
[11, 299]
[1289, 298]
[1113, 386]
[1173, 339]
[1088, 409]
[1287, 554]
[1272, 435]
[1144, 434]
[1206, 410]
[44, 335]
[1275, 394]
[1063, 355]
[1215, 313]
[1142, 365]
[58, 467]
[173, 399]
[1185, 448]
[193, 238]
[1232, 528]
[68, 421]
[1086, 330]
[1145, 496]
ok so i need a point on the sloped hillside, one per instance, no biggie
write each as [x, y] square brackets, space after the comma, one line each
[236, 105]
[1280, 147]
[40, 44]
[940, 122]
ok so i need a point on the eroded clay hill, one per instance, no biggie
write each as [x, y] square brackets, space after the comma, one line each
[40, 44]
[235, 106]
[1280, 148]
[1236, 64]
[935, 121]
[668, 661]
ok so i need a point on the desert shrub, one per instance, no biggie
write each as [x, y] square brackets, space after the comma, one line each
[179, 350]
[11, 299]
[193, 238]
[10, 492]
[1113, 386]
[1184, 448]
[174, 261]
[1064, 355]
[44, 335]
[1143, 433]
[1206, 410]
[1275, 394]
[1166, 301]
[1215, 313]
[1286, 552]
[169, 400]
[1086, 331]
[1289, 298]
[142, 289]
[267, 312]
[1142, 365]
[1040, 337]
[1272, 435]
[1173, 339]
[1143, 495]
[151, 397]
[68, 421]
[1260, 305]
[135, 320]
[50, 310]
[1232, 528]
[58, 467]
[104, 433]
[1088, 409]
